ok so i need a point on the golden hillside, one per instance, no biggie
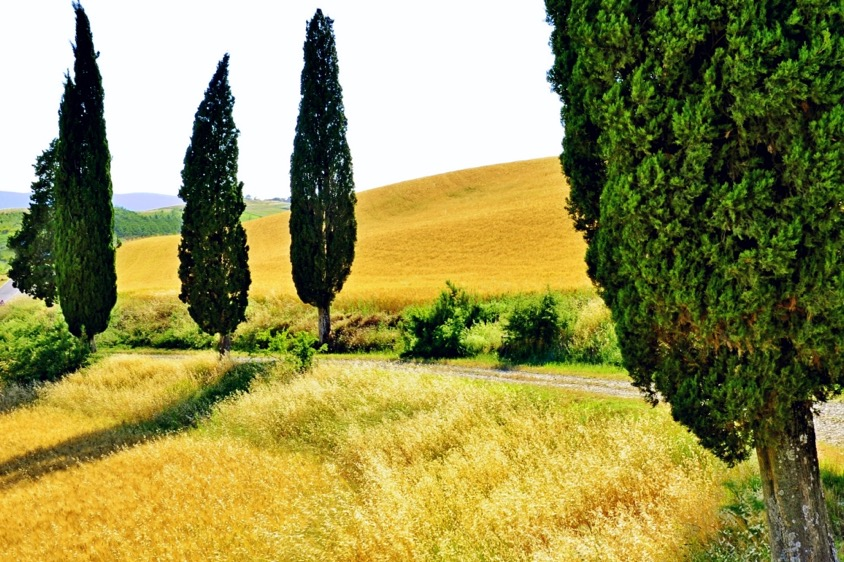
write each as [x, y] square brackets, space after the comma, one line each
[492, 230]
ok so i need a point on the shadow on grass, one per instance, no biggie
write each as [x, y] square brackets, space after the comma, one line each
[99, 444]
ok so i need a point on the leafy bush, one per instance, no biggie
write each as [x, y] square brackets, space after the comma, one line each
[440, 330]
[537, 331]
[36, 346]
[593, 338]
[571, 328]
[298, 350]
[483, 337]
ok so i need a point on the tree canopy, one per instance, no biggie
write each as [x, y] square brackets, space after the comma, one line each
[32, 267]
[704, 152]
[323, 228]
[84, 249]
[213, 254]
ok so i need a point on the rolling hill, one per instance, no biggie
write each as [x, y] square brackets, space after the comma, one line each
[493, 230]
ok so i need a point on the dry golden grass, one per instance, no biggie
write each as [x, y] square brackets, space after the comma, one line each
[352, 463]
[494, 229]
[178, 498]
[451, 470]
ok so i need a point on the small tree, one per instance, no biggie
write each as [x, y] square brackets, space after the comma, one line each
[705, 157]
[323, 229]
[31, 268]
[84, 249]
[213, 255]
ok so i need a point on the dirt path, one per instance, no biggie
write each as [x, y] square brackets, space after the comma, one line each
[829, 421]
[8, 291]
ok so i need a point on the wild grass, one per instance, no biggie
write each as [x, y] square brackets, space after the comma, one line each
[352, 462]
[345, 463]
[497, 229]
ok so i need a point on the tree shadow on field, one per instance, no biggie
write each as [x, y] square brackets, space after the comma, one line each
[99, 444]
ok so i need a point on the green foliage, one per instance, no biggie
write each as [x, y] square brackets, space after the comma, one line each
[213, 255]
[129, 224]
[32, 269]
[703, 149]
[302, 348]
[537, 331]
[36, 346]
[483, 338]
[323, 228]
[84, 252]
[440, 330]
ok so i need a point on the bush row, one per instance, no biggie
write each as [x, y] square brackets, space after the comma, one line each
[553, 327]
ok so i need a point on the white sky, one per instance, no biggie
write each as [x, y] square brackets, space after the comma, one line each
[429, 87]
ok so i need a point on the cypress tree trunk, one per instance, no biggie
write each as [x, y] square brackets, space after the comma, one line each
[225, 344]
[791, 484]
[324, 324]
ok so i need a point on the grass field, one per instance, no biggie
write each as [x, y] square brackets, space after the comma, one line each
[495, 230]
[344, 463]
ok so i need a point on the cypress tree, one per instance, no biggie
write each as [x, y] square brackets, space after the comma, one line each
[85, 272]
[705, 157]
[213, 255]
[323, 229]
[31, 268]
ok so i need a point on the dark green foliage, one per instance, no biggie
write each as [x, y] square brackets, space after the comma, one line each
[36, 346]
[703, 148]
[323, 229]
[32, 269]
[213, 255]
[439, 330]
[130, 224]
[84, 250]
[537, 331]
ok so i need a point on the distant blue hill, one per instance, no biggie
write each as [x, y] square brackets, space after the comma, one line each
[145, 201]
[132, 201]
[13, 200]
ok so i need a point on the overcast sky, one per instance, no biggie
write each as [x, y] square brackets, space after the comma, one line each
[429, 87]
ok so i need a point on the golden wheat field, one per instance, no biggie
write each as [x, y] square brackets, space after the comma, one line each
[350, 462]
[494, 229]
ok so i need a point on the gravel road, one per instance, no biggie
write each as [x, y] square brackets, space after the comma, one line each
[8, 292]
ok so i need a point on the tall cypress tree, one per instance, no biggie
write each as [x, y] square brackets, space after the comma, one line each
[705, 157]
[213, 255]
[85, 272]
[323, 229]
[32, 268]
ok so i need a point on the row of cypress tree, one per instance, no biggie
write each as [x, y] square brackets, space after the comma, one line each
[65, 251]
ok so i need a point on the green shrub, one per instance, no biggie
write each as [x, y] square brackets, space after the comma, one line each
[537, 331]
[36, 346]
[440, 329]
[297, 350]
[267, 318]
[483, 337]
[593, 338]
